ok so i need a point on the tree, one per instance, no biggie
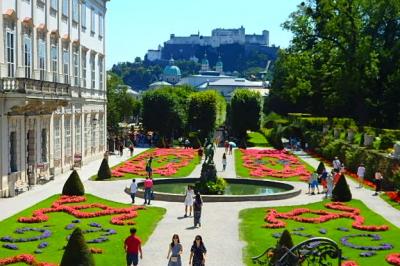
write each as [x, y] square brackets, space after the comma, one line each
[104, 170]
[73, 186]
[341, 192]
[284, 244]
[245, 111]
[205, 110]
[77, 252]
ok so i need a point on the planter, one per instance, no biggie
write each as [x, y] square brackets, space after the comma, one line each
[396, 148]
[368, 140]
[325, 129]
[336, 133]
[350, 135]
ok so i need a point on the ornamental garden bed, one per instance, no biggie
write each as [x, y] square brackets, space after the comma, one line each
[166, 163]
[271, 164]
[392, 198]
[364, 236]
[41, 232]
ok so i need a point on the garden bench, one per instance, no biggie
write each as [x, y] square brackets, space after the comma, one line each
[20, 187]
[314, 251]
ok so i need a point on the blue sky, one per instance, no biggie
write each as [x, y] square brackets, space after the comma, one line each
[134, 26]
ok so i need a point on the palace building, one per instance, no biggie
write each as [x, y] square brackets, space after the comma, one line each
[52, 88]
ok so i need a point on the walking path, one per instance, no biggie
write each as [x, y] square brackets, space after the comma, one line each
[220, 221]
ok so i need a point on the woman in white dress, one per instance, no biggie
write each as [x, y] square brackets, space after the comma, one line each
[189, 200]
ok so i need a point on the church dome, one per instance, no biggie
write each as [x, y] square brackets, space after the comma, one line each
[172, 71]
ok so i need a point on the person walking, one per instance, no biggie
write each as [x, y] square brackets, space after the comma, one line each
[329, 184]
[148, 189]
[149, 170]
[360, 174]
[198, 252]
[336, 164]
[121, 149]
[224, 161]
[133, 248]
[314, 182]
[378, 182]
[226, 146]
[133, 190]
[189, 200]
[230, 148]
[174, 252]
[131, 149]
[323, 177]
[197, 206]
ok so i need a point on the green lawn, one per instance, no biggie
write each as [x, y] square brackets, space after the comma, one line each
[256, 139]
[182, 172]
[242, 171]
[259, 238]
[113, 249]
[389, 201]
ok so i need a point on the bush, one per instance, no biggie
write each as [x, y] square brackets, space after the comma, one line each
[77, 252]
[387, 141]
[256, 139]
[341, 192]
[284, 244]
[212, 188]
[73, 186]
[104, 170]
[275, 138]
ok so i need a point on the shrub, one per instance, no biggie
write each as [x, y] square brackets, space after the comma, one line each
[275, 138]
[73, 186]
[77, 252]
[104, 170]
[212, 188]
[284, 244]
[341, 192]
[387, 141]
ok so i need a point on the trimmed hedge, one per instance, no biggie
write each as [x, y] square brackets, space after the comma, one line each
[104, 170]
[73, 186]
[341, 192]
[77, 252]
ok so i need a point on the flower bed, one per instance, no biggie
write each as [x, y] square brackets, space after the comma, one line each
[273, 163]
[126, 214]
[394, 259]
[273, 217]
[24, 258]
[166, 162]
[394, 196]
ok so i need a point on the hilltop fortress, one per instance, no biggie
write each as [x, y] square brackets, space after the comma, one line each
[194, 46]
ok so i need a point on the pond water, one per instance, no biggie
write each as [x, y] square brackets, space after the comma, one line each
[231, 189]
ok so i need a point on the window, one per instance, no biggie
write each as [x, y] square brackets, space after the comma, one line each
[93, 135]
[65, 8]
[83, 15]
[101, 130]
[13, 152]
[27, 50]
[67, 130]
[78, 134]
[57, 138]
[92, 22]
[84, 68]
[66, 64]
[42, 56]
[54, 4]
[54, 59]
[101, 26]
[76, 65]
[101, 73]
[75, 11]
[87, 133]
[10, 49]
[93, 71]
[44, 145]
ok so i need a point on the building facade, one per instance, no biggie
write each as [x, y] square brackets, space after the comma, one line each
[52, 88]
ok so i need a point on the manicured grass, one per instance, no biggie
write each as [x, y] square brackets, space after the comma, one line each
[242, 171]
[256, 139]
[259, 238]
[182, 172]
[113, 249]
[392, 203]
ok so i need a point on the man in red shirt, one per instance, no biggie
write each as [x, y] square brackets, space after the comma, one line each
[133, 247]
[148, 188]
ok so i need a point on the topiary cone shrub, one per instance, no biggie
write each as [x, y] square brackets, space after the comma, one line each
[104, 170]
[284, 244]
[73, 186]
[77, 252]
[320, 168]
[341, 192]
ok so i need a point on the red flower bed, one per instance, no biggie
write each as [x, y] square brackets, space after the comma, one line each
[394, 196]
[349, 263]
[394, 259]
[137, 165]
[75, 210]
[273, 217]
[24, 258]
[253, 159]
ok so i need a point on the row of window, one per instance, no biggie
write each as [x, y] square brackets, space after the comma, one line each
[78, 55]
[90, 129]
[75, 15]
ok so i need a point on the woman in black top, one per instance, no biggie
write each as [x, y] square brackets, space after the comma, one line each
[197, 205]
[198, 252]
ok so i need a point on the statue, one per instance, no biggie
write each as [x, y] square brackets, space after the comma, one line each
[208, 152]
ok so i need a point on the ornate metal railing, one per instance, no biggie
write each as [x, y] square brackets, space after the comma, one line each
[314, 251]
